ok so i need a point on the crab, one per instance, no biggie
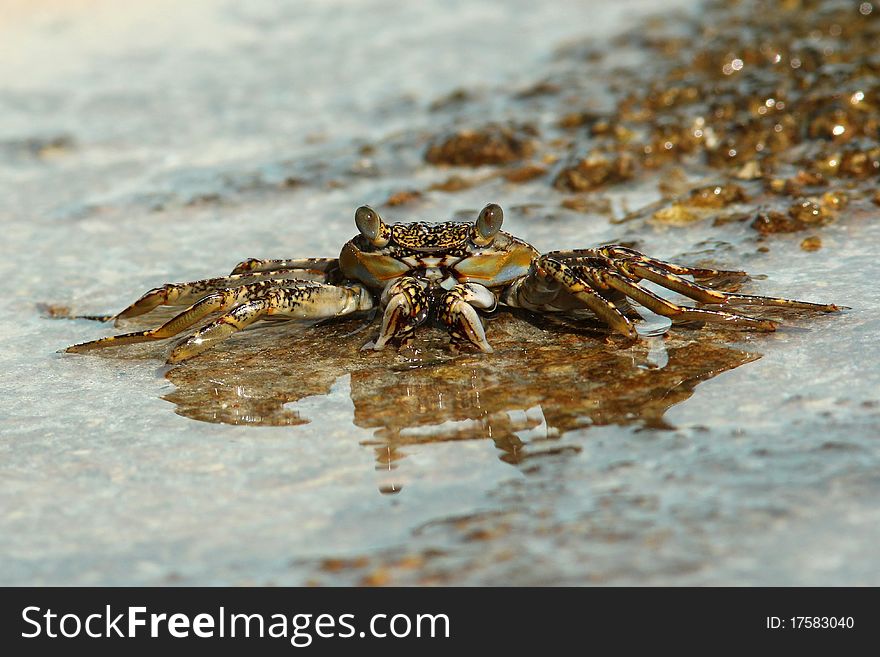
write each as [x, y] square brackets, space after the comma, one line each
[448, 273]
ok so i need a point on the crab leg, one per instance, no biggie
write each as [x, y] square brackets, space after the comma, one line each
[541, 289]
[638, 266]
[258, 265]
[301, 301]
[656, 274]
[406, 307]
[219, 301]
[605, 280]
[457, 312]
[306, 301]
[614, 254]
[182, 294]
[617, 253]
[216, 302]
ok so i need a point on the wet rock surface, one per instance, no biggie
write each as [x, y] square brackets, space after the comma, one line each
[491, 144]
[569, 380]
[290, 456]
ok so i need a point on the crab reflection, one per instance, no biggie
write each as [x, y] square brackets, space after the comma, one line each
[539, 383]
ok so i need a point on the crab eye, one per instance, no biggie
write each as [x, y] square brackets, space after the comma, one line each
[488, 224]
[370, 224]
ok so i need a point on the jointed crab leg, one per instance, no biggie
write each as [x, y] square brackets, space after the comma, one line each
[182, 294]
[283, 298]
[305, 301]
[457, 312]
[604, 279]
[645, 270]
[220, 329]
[637, 266]
[614, 254]
[258, 265]
[533, 293]
[617, 253]
[219, 301]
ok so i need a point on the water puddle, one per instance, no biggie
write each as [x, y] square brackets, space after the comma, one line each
[537, 385]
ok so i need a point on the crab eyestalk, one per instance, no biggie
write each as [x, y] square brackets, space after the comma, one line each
[487, 225]
[371, 226]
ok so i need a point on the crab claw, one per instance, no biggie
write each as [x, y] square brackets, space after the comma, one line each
[461, 318]
[406, 307]
[464, 324]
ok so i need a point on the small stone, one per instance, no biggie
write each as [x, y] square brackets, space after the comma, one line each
[675, 215]
[403, 197]
[490, 144]
[812, 243]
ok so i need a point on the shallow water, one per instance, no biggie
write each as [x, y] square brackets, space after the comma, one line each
[135, 149]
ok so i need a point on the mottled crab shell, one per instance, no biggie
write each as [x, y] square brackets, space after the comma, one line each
[452, 246]
[374, 268]
[424, 236]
